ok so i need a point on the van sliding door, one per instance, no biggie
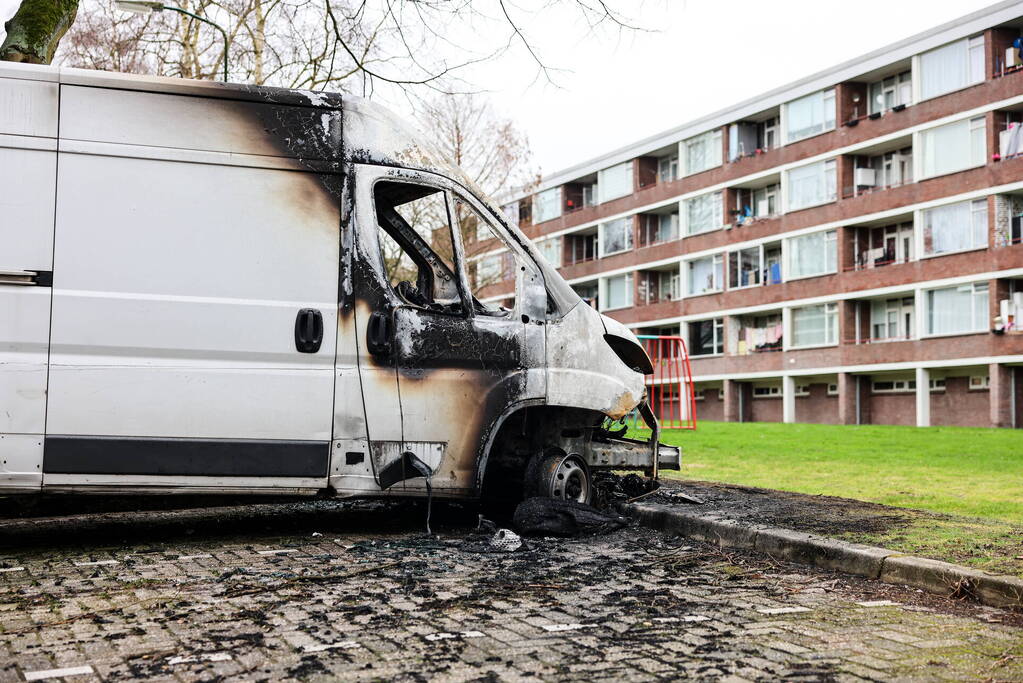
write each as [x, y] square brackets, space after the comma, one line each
[194, 317]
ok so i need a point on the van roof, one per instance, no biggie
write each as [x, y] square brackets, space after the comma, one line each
[371, 133]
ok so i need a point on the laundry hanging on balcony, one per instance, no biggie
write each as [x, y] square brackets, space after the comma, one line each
[1010, 141]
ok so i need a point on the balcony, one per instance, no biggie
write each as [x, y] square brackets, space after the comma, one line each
[877, 246]
[878, 168]
[657, 227]
[580, 247]
[655, 286]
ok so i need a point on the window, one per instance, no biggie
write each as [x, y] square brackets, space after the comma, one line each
[511, 213]
[550, 248]
[707, 337]
[670, 283]
[706, 274]
[955, 227]
[953, 147]
[590, 194]
[772, 263]
[488, 269]
[699, 394]
[891, 92]
[893, 386]
[614, 182]
[815, 325]
[547, 205]
[958, 310]
[772, 391]
[582, 248]
[417, 245]
[658, 285]
[951, 67]
[587, 292]
[813, 254]
[667, 168]
[704, 213]
[765, 200]
[892, 319]
[811, 185]
[744, 269]
[936, 384]
[767, 133]
[980, 382]
[703, 152]
[802, 390]
[619, 292]
[810, 115]
[615, 236]
[832, 390]
[891, 169]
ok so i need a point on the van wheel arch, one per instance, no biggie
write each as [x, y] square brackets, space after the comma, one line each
[527, 434]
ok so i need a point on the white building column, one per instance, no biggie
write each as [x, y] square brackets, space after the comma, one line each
[923, 397]
[920, 311]
[788, 398]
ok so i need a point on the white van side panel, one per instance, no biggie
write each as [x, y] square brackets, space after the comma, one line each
[176, 290]
[28, 131]
[178, 276]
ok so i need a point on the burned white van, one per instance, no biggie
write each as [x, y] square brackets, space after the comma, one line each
[221, 288]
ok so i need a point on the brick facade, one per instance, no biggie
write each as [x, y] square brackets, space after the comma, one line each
[876, 268]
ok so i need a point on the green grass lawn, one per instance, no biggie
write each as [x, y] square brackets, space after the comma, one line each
[956, 470]
[973, 479]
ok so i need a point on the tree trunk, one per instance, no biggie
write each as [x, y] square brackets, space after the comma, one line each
[34, 32]
[258, 44]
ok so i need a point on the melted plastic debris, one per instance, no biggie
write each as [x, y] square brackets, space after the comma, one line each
[553, 517]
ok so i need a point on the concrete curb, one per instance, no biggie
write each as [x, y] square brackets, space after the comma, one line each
[941, 578]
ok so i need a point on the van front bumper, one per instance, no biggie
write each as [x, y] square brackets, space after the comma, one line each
[620, 453]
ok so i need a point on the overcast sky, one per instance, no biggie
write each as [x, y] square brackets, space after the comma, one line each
[698, 56]
[706, 55]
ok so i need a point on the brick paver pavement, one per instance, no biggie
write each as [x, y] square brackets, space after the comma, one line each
[365, 603]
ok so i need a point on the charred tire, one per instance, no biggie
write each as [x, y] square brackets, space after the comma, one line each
[564, 476]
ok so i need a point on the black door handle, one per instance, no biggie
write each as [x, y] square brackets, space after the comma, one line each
[378, 334]
[308, 330]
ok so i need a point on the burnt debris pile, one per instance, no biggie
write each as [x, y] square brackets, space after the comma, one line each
[610, 489]
[554, 517]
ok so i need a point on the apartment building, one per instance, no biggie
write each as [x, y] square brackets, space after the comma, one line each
[844, 249]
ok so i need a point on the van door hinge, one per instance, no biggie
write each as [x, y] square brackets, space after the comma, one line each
[36, 278]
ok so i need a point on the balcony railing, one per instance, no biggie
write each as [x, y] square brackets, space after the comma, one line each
[858, 190]
[760, 151]
[878, 340]
[865, 262]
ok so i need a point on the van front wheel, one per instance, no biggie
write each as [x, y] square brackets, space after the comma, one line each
[564, 476]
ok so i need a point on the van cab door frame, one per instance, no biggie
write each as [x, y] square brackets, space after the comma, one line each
[446, 380]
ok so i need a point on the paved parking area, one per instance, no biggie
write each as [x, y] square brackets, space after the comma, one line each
[326, 591]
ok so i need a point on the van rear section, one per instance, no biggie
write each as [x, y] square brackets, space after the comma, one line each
[219, 288]
[192, 232]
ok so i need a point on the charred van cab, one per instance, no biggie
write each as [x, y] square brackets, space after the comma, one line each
[209, 288]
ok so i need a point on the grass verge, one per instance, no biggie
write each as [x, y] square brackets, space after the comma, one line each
[971, 479]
